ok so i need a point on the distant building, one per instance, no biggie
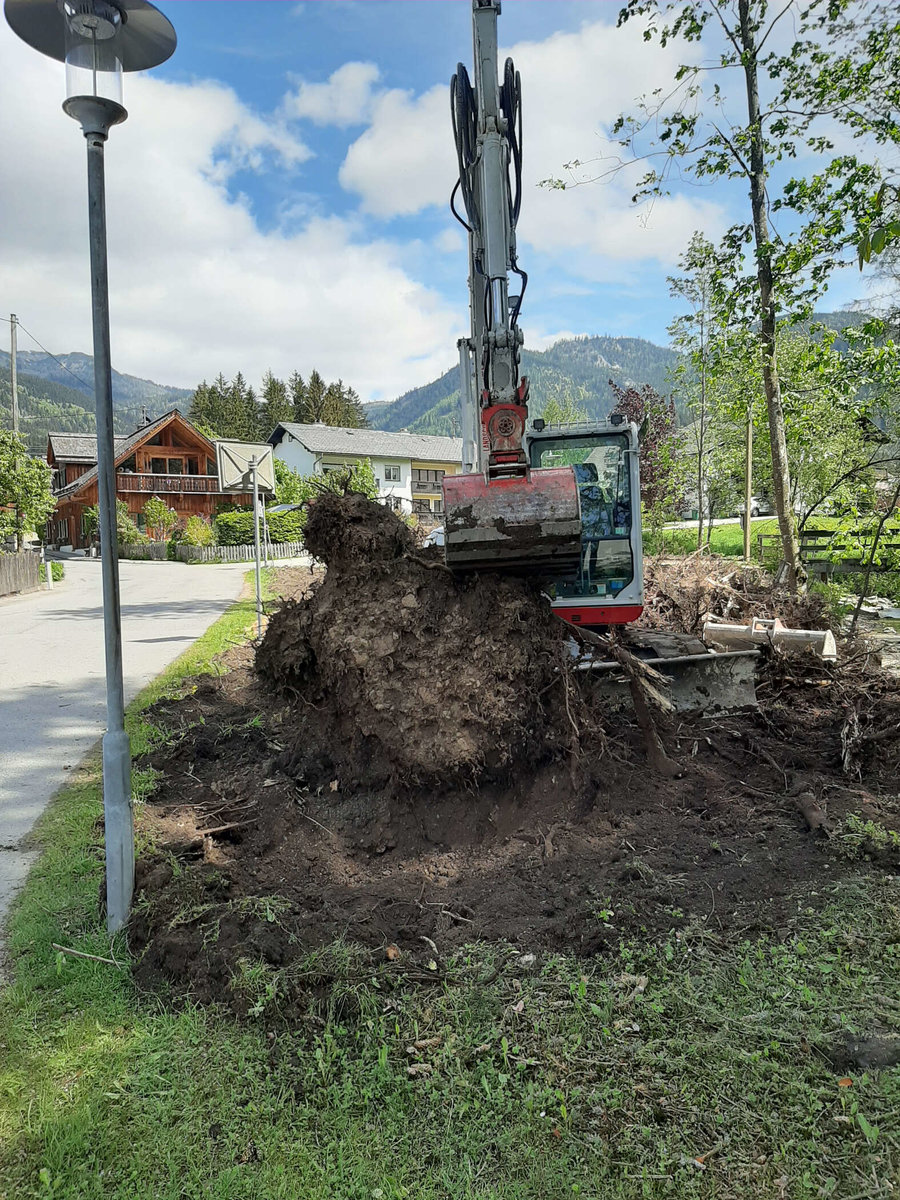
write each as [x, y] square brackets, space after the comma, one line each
[408, 467]
[168, 458]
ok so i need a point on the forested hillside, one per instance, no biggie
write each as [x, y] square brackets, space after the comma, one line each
[579, 367]
[45, 405]
[75, 372]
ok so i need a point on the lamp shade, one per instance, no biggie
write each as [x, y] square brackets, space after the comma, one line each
[133, 32]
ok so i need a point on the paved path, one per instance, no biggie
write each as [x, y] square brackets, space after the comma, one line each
[52, 680]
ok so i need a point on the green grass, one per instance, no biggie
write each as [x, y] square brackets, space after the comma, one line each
[689, 1067]
[726, 539]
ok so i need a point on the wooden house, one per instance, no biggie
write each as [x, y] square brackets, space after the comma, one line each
[168, 458]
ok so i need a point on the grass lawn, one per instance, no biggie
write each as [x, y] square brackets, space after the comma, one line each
[727, 539]
[686, 1067]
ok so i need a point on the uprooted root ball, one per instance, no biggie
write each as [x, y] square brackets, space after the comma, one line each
[419, 675]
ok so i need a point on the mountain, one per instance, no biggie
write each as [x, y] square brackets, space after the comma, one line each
[573, 364]
[586, 363]
[51, 399]
[76, 372]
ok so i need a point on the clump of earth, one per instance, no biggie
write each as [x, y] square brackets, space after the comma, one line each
[417, 674]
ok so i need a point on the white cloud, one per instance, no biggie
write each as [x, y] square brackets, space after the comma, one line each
[196, 286]
[574, 85]
[345, 99]
[405, 161]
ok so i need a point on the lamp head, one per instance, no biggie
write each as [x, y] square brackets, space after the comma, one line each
[97, 40]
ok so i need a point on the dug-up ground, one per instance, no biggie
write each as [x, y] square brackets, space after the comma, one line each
[408, 763]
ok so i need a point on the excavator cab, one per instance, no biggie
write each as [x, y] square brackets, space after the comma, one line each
[607, 588]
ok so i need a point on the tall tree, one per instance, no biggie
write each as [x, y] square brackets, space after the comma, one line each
[26, 499]
[661, 464]
[276, 405]
[297, 389]
[792, 98]
[315, 403]
[690, 333]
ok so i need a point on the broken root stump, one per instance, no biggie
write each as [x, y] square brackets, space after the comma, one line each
[415, 673]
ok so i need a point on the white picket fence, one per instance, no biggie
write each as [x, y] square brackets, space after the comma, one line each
[205, 554]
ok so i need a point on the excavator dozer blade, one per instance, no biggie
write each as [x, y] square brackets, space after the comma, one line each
[532, 524]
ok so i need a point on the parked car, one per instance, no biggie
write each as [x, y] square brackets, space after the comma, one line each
[435, 538]
[760, 506]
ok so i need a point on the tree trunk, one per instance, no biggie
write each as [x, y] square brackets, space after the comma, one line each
[867, 575]
[701, 437]
[781, 475]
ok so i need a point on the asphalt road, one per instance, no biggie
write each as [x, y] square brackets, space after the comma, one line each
[52, 675]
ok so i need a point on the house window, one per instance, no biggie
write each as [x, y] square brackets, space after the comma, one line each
[158, 466]
[394, 503]
[438, 506]
[423, 475]
[176, 466]
[420, 507]
[392, 474]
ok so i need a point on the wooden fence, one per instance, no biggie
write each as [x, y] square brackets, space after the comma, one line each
[156, 551]
[214, 554]
[205, 554]
[19, 572]
[821, 550]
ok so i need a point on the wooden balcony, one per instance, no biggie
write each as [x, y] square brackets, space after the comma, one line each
[166, 484]
[431, 487]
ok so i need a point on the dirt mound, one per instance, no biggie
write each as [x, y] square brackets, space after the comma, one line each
[415, 673]
[256, 868]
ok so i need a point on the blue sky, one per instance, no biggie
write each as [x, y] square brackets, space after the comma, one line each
[278, 196]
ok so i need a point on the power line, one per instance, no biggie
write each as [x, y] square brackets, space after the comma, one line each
[50, 354]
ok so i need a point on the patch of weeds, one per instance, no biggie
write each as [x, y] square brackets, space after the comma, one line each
[856, 839]
[259, 984]
[144, 782]
[260, 908]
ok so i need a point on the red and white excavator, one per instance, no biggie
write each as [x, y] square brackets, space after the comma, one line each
[559, 501]
[562, 501]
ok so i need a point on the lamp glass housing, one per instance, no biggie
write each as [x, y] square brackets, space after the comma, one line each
[93, 49]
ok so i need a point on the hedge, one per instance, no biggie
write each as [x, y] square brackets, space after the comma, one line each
[236, 528]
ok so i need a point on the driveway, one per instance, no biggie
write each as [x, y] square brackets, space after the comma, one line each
[52, 675]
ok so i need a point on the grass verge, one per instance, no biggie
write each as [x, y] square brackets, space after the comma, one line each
[687, 1067]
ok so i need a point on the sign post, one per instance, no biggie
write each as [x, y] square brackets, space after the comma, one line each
[254, 472]
[248, 467]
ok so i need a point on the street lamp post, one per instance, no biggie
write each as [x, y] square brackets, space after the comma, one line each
[98, 40]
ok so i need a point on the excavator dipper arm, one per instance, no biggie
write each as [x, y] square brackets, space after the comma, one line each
[500, 514]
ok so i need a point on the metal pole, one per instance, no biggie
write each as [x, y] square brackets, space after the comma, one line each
[748, 483]
[256, 546]
[118, 817]
[14, 402]
[13, 386]
[47, 569]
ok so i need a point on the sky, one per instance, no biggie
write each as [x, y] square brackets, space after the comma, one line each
[278, 197]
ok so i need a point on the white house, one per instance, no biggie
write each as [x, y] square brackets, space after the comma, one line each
[408, 467]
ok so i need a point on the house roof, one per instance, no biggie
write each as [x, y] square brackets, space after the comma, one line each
[370, 443]
[76, 447]
[124, 446]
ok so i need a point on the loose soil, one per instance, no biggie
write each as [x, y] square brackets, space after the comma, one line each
[407, 764]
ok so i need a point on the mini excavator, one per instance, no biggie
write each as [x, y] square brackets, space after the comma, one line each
[561, 502]
[558, 501]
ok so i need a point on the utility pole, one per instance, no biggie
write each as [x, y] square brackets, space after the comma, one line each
[14, 400]
[13, 387]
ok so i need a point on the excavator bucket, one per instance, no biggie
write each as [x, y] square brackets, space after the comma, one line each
[530, 524]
